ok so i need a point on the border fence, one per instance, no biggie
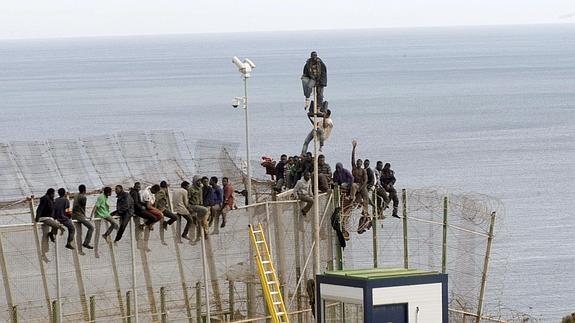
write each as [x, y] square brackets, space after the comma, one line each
[155, 276]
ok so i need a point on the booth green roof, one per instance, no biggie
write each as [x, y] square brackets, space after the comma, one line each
[379, 273]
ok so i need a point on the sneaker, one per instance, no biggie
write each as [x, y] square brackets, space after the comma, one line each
[395, 216]
[306, 103]
[165, 226]
[320, 149]
[87, 246]
[223, 224]
[51, 236]
[70, 246]
[62, 229]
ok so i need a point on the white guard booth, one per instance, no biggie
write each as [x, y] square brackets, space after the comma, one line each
[389, 295]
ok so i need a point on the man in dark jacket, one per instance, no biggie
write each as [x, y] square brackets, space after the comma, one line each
[79, 214]
[45, 215]
[140, 208]
[387, 181]
[61, 208]
[124, 209]
[314, 76]
[162, 204]
[280, 170]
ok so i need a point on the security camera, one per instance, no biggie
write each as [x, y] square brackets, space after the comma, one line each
[250, 63]
[237, 101]
[238, 63]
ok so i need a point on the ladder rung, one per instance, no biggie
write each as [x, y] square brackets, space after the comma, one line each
[272, 282]
[268, 272]
[260, 241]
[277, 303]
[256, 231]
[274, 293]
[280, 313]
[265, 262]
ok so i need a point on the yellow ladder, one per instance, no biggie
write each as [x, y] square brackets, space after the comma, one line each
[270, 283]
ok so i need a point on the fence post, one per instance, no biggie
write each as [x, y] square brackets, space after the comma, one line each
[55, 312]
[14, 313]
[134, 281]
[444, 249]
[338, 249]
[92, 309]
[485, 267]
[231, 298]
[374, 230]
[58, 283]
[129, 306]
[164, 314]
[199, 302]
[5, 276]
[39, 253]
[405, 246]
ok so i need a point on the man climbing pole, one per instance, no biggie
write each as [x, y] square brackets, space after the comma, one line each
[314, 75]
[323, 128]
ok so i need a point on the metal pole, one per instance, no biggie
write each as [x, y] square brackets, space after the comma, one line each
[93, 309]
[317, 258]
[58, 283]
[485, 267]
[134, 284]
[405, 247]
[164, 314]
[129, 307]
[338, 249]
[249, 180]
[231, 298]
[198, 302]
[374, 228]
[55, 312]
[204, 264]
[14, 314]
[444, 250]
[5, 275]
[39, 253]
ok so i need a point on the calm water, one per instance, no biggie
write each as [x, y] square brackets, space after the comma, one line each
[488, 109]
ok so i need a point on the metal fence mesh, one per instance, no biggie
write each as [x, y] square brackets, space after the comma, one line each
[170, 272]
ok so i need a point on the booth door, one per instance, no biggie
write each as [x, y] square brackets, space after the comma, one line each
[390, 313]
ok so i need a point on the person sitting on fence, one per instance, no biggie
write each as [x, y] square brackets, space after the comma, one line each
[280, 173]
[62, 213]
[380, 193]
[101, 210]
[140, 208]
[196, 205]
[217, 201]
[125, 209]
[270, 165]
[324, 174]
[181, 207]
[288, 176]
[162, 205]
[79, 214]
[148, 196]
[388, 181]
[359, 187]
[229, 203]
[45, 215]
[343, 178]
[302, 190]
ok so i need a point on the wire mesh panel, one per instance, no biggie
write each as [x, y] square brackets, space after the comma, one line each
[35, 161]
[72, 164]
[9, 174]
[105, 156]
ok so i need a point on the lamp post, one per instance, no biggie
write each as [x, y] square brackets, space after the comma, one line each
[245, 69]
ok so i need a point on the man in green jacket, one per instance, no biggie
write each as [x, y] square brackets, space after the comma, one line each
[195, 200]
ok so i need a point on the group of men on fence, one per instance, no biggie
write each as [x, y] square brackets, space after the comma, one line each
[296, 171]
[201, 203]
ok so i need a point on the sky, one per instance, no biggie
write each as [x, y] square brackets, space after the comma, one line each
[86, 18]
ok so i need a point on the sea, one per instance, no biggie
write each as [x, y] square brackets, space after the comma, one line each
[473, 109]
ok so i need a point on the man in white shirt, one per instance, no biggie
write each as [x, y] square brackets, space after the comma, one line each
[302, 190]
[323, 127]
[180, 200]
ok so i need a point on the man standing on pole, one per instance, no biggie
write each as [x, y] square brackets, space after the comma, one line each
[314, 75]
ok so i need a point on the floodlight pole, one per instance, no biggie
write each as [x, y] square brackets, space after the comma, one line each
[249, 168]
